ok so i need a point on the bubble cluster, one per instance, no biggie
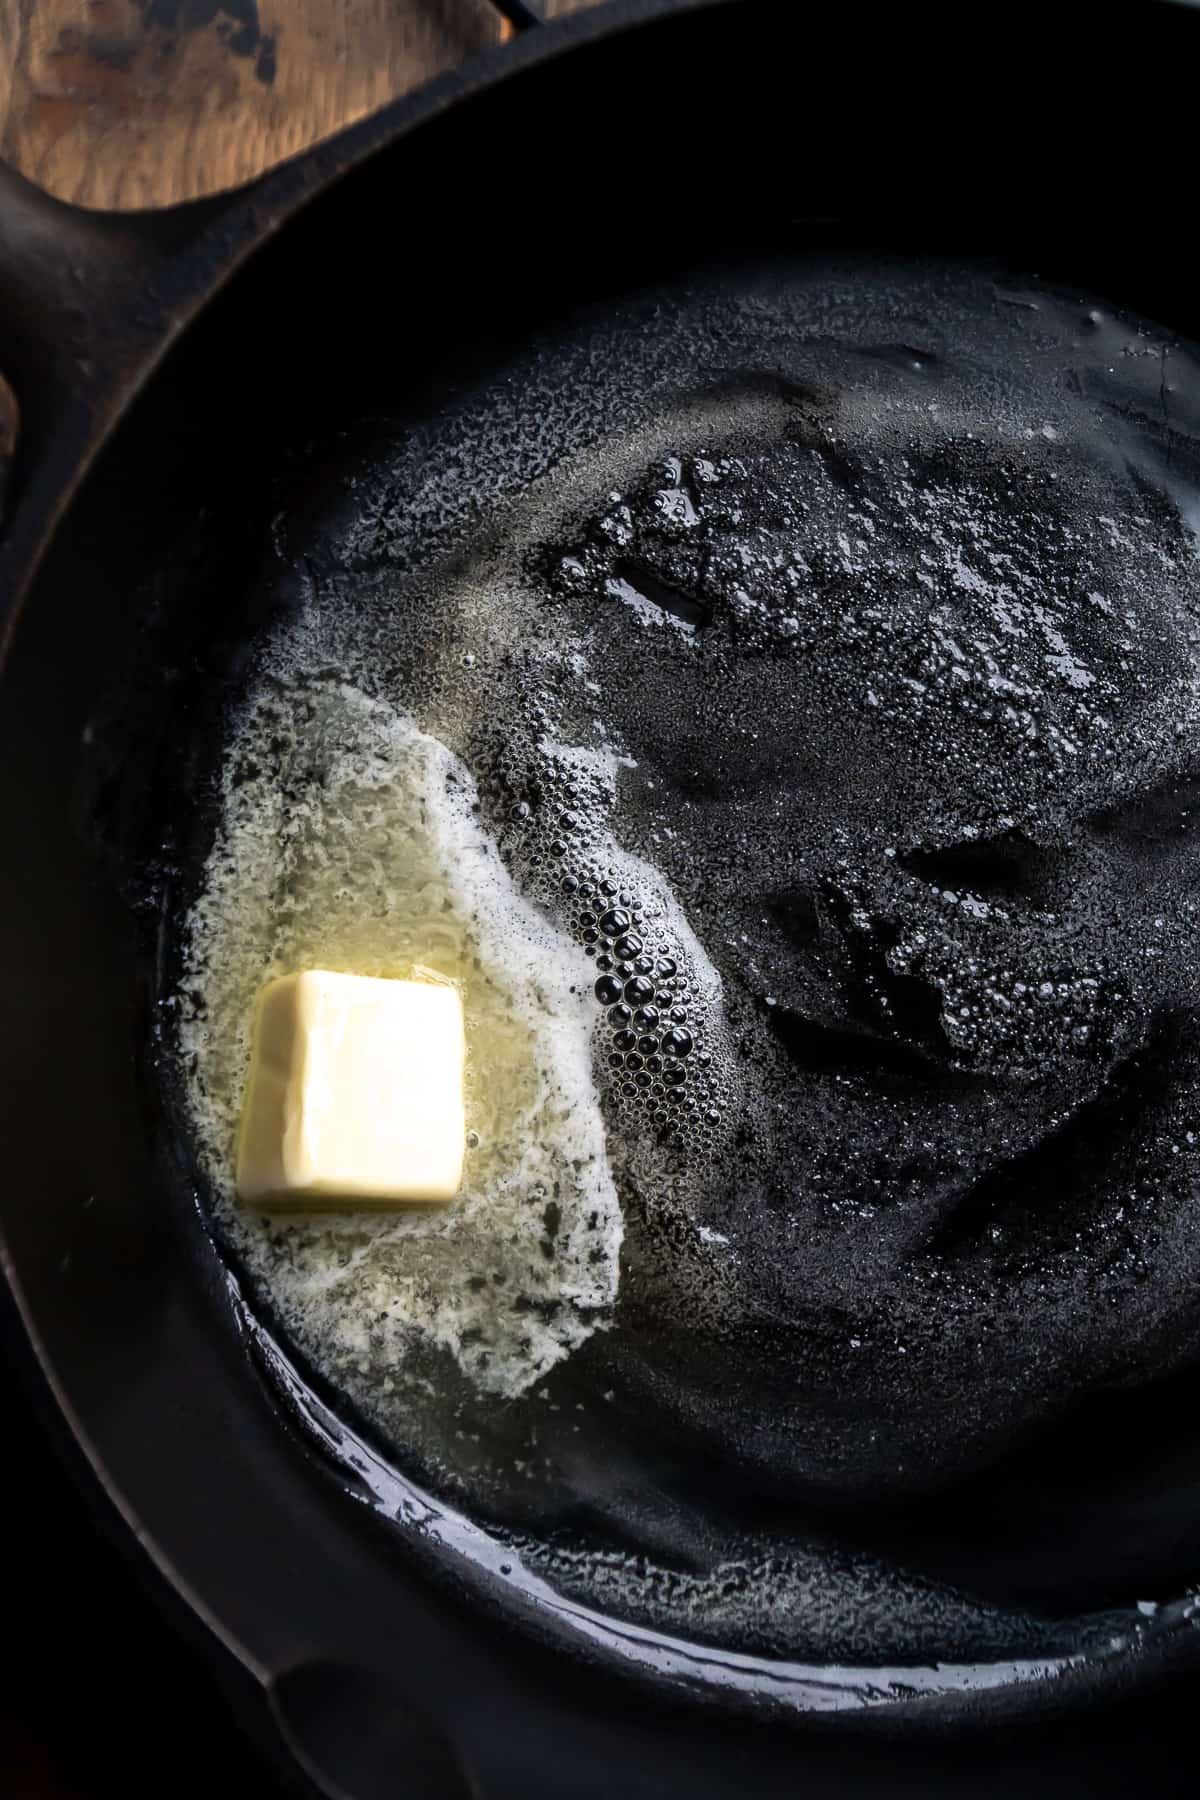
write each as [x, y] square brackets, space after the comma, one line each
[663, 1061]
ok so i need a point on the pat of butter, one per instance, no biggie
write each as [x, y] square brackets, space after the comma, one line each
[355, 1095]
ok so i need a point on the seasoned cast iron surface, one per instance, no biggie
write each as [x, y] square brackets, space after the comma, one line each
[822, 646]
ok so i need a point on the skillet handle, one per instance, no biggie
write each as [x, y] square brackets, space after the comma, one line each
[86, 302]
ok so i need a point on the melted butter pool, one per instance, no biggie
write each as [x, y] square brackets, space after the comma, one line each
[349, 842]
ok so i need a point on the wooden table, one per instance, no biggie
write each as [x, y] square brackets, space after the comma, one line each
[120, 105]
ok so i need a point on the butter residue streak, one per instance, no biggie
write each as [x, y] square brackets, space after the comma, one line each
[349, 842]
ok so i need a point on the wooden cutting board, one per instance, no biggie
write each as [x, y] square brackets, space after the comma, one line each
[120, 105]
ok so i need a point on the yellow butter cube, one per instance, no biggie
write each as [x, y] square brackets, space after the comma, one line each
[355, 1094]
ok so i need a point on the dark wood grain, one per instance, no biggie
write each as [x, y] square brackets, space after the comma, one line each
[128, 104]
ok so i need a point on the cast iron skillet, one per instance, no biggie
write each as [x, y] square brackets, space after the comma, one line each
[581, 160]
